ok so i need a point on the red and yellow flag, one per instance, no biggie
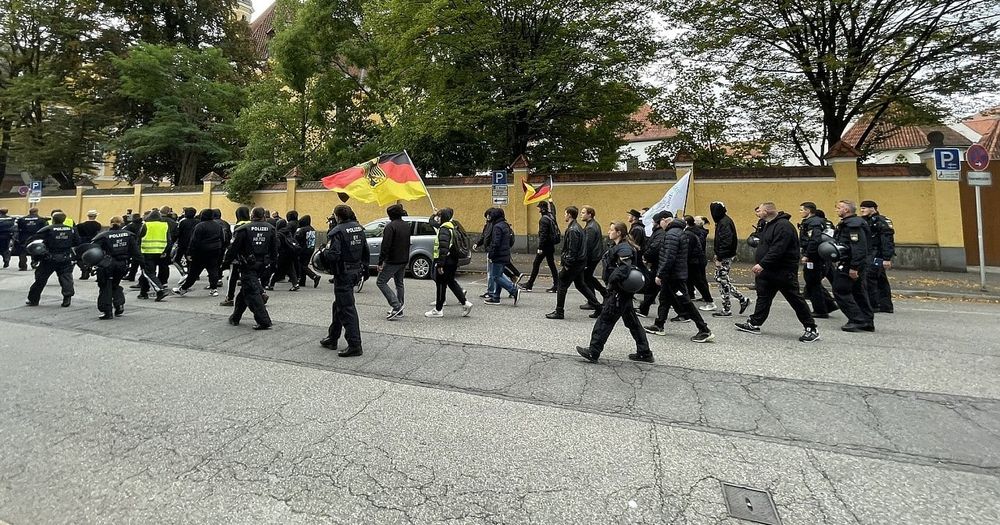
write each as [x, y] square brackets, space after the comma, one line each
[533, 195]
[383, 180]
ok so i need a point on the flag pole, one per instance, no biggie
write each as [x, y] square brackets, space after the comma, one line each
[422, 183]
[687, 190]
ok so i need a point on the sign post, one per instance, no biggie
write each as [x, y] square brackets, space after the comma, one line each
[34, 192]
[979, 159]
[948, 163]
[500, 197]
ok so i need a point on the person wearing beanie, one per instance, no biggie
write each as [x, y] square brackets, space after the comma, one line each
[393, 257]
[548, 237]
[881, 249]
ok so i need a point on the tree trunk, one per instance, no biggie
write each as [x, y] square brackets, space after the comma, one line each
[65, 180]
[188, 175]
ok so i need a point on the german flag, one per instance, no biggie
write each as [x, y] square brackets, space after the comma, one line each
[383, 180]
[533, 195]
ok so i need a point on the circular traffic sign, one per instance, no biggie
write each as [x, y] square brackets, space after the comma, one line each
[977, 157]
[22, 191]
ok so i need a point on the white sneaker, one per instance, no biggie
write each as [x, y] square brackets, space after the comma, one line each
[434, 313]
[180, 291]
[214, 293]
[466, 309]
[708, 307]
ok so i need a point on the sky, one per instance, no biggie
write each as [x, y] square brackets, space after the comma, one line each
[259, 6]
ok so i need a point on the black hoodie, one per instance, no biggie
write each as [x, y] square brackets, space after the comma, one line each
[725, 232]
[778, 251]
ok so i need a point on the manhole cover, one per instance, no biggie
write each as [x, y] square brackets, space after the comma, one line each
[750, 504]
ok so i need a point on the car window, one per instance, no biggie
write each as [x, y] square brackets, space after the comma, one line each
[423, 228]
[374, 229]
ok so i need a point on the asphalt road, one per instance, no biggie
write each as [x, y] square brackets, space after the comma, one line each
[169, 414]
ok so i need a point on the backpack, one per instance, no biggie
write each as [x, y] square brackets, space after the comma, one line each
[460, 243]
[556, 234]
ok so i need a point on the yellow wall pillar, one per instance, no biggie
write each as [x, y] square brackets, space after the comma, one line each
[209, 182]
[843, 158]
[947, 210]
[292, 179]
[137, 186]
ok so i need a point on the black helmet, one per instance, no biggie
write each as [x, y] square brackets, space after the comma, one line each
[319, 262]
[753, 240]
[90, 254]
[832, 251]
[634, 282]
[37, 248]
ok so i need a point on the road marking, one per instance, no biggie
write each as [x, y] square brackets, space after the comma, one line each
[946, 311]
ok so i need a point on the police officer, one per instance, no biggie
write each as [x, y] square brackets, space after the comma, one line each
[88, 230]
[59, 240]
[343, 255]
[881, 249]
[8, 230]
[242, 217]
[27, 226]
[850, 274]
[253, 248]
[120, 247]
[618, 263]
[814, 267]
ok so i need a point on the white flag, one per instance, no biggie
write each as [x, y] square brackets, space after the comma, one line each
[672, 201]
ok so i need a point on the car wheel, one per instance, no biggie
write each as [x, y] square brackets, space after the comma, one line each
[420, 267]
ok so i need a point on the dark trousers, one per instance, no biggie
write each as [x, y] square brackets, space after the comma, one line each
[304, 270]
[818, 295]
[574, 274]
[444, 280]
[547, 255]
[879, 293]
[22, 261]
[110, 295]
[150, 263]
[45, 269]
[250, 296]
[769, 284]
[650, 292]
[698, 280]
[209, 261]
[345, 313]
[618, 306]
[673, 292]
[852, 297]
[133, 269]
[234, 277]
[5, 251]
[288, 265]
[592, 282]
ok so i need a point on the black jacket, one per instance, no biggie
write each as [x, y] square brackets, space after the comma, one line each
[618, 262]
[882, 243]
[208, 236]
[674, 252]
[725, 232]
[638, 234]
[500, 241]
[696, 248]
[88, 230]
[59, 239]
[810, 236]
[653, 244]
[28, 226]
[574, 246]
[305, 236]
[853, 232]
[395, 247]
[346, 248]
[119, 244]
[253, 246]
[595, 241]
[778, 251]
[8, 227]
[547, 228]
[185, 228]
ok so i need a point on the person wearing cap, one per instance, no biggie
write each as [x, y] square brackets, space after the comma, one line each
[8, 230]
[68, 222]
[671, 275]
[87, 230]
[637, 231]
[814, 267]
[27, 226]
[548, 238]
[882, 248]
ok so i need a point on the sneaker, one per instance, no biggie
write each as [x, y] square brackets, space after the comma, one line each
[724, 313]
[645, 358]
[484, 295]
[551, 290]
[491, 301]
[208, 287]
[587, 306]
[294, 288]
[703, 337]
[316, 281]
[142, 296]
[810, 335]
[708, 307]
[640, 314]
[655, 330]
[394, 313]
[555, 315]
[134, 287]
[179, 291]
[269, 288]
[526, 289]
[748, 327]
[520, 277]
[466, 309]
[434, 313]
[744, 304]
[160, 296]
[680, 319]
[517, 294]
[213, 292]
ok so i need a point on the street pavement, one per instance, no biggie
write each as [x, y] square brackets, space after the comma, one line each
[169, 414]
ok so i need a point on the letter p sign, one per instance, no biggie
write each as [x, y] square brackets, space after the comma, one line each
[947, 159]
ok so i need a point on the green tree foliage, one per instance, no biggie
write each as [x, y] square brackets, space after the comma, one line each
[193, 100]
[812, 68]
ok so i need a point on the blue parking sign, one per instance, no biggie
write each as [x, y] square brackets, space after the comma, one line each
[36, 185]
[947, 159]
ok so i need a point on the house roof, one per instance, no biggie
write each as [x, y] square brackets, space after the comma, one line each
[904, 137]
[987, 124]
[261, 31]
[649, 131]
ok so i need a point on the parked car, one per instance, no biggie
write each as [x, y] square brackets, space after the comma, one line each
[422, 236]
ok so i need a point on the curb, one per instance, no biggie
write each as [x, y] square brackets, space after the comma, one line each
[981, 297]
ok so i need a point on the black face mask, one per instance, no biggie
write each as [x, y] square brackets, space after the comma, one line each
[435, 221]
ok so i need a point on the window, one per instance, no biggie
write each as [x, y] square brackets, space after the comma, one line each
[901, 159]
[423, 228]
[374, 229]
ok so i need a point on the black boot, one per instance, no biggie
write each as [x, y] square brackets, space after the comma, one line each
[119, 311]
[67, 300]
[351, 351]
[587, 353]
[328, 343]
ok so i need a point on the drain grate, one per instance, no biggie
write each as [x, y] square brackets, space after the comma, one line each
[750, 504]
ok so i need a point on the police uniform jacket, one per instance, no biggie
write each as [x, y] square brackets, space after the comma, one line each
[882, 245]
[8, 227]
[59, 239]
[618, 262]
[346, 247]
[88, 230]
[674, 252]
[810, 236]
[574, 246]
[119, 244]
[253, 243]
[853, 232]
[28, 226]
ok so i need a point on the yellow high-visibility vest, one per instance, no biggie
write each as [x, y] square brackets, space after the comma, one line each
[155, 240]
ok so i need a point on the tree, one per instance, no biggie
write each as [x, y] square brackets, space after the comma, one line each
[493, 79]
[825, 64]
[193, 101]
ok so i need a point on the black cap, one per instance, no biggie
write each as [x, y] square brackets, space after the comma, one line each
[869, 204]
[635, 213]
[662, 215]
